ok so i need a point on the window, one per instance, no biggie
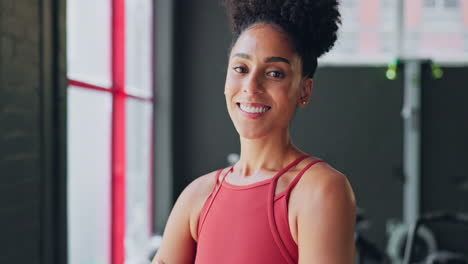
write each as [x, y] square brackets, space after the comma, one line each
[360, 41]
[429, 3]
[348, 3]
[374, 32]
[451, 3]
[441, 4]
[110, 130]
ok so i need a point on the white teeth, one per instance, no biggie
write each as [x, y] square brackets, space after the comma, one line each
[253, 110]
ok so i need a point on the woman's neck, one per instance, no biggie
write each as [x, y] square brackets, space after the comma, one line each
[270, 153]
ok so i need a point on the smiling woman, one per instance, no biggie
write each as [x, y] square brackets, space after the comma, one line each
[264, 72]
[277, 204]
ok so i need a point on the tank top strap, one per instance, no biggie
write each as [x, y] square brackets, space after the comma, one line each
[290, 165]
[218, 174]
[216, 179]
[210, 199]
[227, 172]
[299, 176]
[271, 211]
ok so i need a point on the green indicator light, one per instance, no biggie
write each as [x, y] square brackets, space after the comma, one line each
[437, 72]
[391, 74]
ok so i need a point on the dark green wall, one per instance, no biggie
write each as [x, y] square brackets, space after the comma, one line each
[32, 132]
[353, 122]
[200, 55]
[445, 152]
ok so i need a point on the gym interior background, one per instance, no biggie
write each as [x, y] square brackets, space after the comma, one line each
[106, 106]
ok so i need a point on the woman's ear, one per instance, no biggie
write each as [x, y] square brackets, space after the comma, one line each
[306, 91]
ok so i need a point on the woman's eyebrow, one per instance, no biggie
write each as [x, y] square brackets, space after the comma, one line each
[277, 59]
[269, 59]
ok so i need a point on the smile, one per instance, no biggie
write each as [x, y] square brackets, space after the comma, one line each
[253, 110]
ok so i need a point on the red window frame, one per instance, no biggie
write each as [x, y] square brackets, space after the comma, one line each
[118, 160]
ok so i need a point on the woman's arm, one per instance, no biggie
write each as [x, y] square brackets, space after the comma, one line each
[326, 219]
[178, 244]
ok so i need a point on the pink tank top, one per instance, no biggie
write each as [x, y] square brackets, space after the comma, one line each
[248, 223]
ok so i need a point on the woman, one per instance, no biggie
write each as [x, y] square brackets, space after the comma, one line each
[276, 204]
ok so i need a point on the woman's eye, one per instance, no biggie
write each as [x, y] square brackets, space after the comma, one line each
[240, 69]
[276, 74]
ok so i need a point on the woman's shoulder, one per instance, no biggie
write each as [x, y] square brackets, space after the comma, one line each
[202, 185]
[196, 193]
[322, 182]
[324, 213]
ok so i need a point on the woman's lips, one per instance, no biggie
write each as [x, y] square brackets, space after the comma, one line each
[252, 110]
[253, 105]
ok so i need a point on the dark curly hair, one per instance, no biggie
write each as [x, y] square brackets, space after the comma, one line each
[310, 24]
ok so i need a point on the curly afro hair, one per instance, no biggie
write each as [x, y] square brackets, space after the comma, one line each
[310, 24]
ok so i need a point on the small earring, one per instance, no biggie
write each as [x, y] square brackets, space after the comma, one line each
[303, 102]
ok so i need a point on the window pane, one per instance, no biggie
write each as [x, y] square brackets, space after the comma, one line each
[436, 33]
[433, 29]
[138, 178]
[364, 35]
[89, 176]
[451, 3]
[138, 47]
[348, 3]
[429, 3]
[89, 41]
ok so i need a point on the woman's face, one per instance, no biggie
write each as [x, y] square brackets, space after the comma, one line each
[264, 82]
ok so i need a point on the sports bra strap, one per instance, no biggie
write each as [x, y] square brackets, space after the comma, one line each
[299, 175]
[290, 165]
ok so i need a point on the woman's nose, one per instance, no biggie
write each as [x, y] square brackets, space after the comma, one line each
[253, 84]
